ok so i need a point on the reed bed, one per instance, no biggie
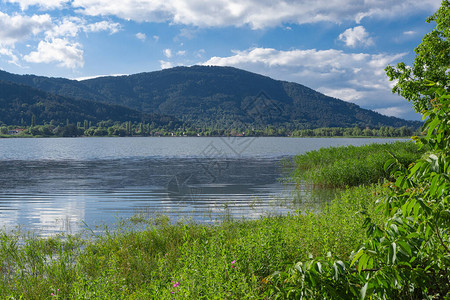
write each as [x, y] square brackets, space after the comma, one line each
[352, 165]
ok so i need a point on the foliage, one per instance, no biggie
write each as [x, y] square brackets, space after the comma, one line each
[351, 165]
[22, 105]
[431, 63]
[383, 131]
[408, 257]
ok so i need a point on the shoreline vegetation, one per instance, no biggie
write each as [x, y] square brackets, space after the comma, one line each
[127, 129]
[234, 259]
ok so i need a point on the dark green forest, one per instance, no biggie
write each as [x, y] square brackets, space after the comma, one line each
[24, 106]
[200, 98]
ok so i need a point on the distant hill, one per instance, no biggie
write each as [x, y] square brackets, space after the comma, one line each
[224, 97]
[18, 103]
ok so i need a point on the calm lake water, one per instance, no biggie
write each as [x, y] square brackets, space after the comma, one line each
[67, 184]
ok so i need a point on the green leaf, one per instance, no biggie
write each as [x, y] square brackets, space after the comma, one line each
[357, 256]
[414, 169]
[394, 252]
[432, 126]
[336, 272]
[405, 247]
[364, 290]
[362, 262]
[400, 180]
[319, 267]
[341, 265]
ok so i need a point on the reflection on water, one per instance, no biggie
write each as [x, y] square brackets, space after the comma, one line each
[50, 196]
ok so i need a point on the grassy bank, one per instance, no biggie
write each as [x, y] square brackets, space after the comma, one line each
[179, 261]
[231, 260]
[352, 165]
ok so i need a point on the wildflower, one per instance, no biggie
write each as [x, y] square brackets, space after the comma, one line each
[232, 264]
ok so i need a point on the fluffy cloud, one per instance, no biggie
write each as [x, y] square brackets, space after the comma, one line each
[355, 77]
[55, 36]
[72, 26]
[16, 28]
[255, 13]
[356, 36]
[165, 64]
[61, 51]
[103, 26]
[141, 36]
[46, 4]
[168, 53]
[8, 52]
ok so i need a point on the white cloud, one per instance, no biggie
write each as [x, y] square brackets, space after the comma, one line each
[68, 27]
[356, 36]
[255, 13]
[8, 52]
[165, 64]
[72, 26]
[98, 76]
[66, 54]
[55, 36]
[410, 32]
[46, 4]
[156, 38]
[181, 52]
[103, 26]
[18, 28]
[167, 53]
[141, 36]
[354, 77]
[346, 94]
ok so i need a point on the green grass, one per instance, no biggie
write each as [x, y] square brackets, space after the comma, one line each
[351, 165]
[146, 264]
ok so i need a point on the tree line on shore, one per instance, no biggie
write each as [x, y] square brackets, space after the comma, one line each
[123, 129]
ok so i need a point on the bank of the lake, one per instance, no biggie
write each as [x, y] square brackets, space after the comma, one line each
[232, 259]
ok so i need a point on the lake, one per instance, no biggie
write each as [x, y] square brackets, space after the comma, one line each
[68, 184]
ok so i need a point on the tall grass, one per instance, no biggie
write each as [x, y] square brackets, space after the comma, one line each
[352, 165]
[179, 261]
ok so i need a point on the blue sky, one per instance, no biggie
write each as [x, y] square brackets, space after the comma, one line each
[338, 47]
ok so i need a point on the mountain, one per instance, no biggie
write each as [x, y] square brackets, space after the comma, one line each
[216, 96]
[18, 103]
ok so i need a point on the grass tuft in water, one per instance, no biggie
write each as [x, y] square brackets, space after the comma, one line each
[351, 165]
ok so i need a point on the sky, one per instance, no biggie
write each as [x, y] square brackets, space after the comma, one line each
[337, 47]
